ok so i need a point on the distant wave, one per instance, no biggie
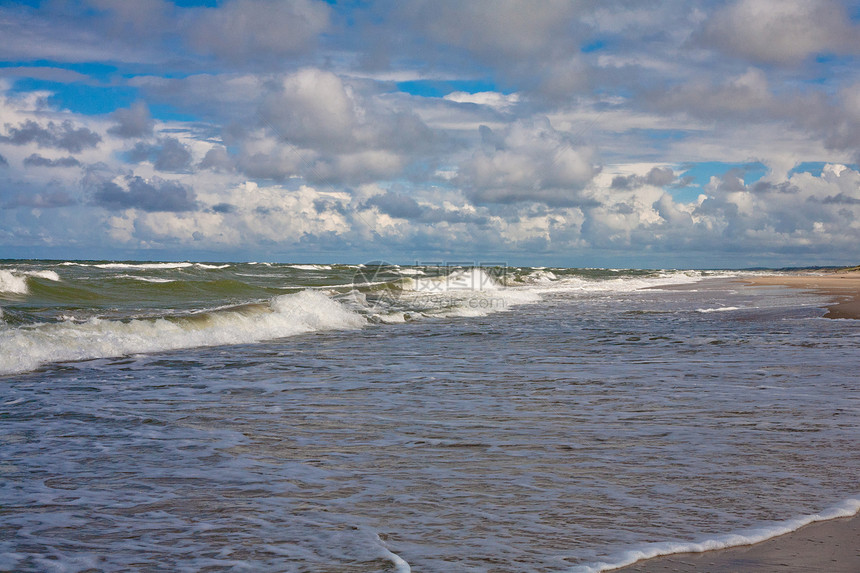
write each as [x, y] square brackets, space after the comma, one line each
[311, 267]
[846, 508]
[145, 266]
[25, 349]
[146, 279]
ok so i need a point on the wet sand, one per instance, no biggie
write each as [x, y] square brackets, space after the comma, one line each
[823, 547]
[843, 286]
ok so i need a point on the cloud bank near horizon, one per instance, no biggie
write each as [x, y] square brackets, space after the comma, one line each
[589, 133]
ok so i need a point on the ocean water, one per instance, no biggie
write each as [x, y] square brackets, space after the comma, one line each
[272, 417]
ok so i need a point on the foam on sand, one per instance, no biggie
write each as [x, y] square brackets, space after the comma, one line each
[27, 348]
[846, 508]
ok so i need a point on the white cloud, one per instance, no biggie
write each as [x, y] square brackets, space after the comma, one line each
[494, 100]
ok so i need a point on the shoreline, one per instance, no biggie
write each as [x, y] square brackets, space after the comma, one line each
[829, 546]
[842, 286]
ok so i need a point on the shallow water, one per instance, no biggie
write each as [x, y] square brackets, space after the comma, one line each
[549, 436]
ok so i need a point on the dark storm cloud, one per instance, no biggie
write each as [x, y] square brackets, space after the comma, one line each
[224, 208]
[169, 154]
[397, 205]
[404, 207]
[768, 187]
[63, 136]
[36, 160]
[134, 121]
[217, 159]
[841, 199]
[658, 176]
[151, 195]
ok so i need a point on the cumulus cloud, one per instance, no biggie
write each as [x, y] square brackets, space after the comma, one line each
[781, 31]
[36, 160]
[151, 195]
[61, 136]
[529, 161]
[169, 154]
[254, 30]
[134, 121]
[331, 131]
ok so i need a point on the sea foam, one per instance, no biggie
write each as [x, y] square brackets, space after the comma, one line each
[846, 508]
[29, 347]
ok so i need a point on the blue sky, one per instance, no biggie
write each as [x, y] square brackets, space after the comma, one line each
[672, 134]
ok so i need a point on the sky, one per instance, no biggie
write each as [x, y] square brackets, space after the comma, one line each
[612, 133]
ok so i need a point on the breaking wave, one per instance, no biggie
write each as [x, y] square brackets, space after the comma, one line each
[27, 348]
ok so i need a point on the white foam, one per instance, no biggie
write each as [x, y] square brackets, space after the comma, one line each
[621, 284]
[26, 348]
[847, 508]
[718, 309]
[13, 283]
[400, 564]
[540, 276]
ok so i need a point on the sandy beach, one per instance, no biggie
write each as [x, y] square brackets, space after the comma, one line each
[843, 286]
[823, 547]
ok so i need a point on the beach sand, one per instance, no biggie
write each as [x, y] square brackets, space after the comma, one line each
[823, 547]
[843, 286]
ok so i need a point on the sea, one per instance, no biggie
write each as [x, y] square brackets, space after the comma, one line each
[432, 417]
